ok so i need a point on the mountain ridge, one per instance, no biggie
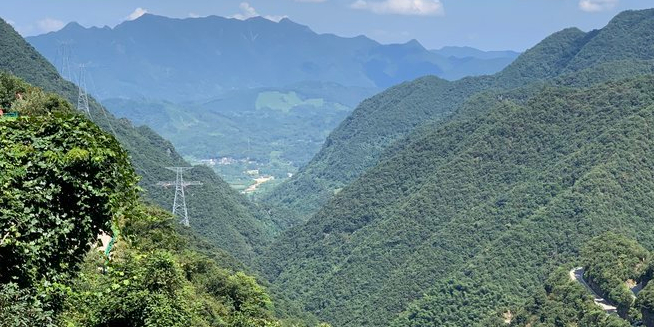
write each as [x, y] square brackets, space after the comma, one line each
[226, 53]
[478, 206]
[550, 58]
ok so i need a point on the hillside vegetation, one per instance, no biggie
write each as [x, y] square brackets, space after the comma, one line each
[64, 182]
[468, 215]
[212, 85]
[361, 140]
[613, 263]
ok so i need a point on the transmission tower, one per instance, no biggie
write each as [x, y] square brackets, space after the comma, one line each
[63, 60]
[179, 204]
[83, 97]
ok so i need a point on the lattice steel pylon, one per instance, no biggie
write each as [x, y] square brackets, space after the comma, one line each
[179, 203]
[83, 97]
[63, 60]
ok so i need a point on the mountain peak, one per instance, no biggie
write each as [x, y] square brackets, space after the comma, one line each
[413, 43]
[72, 26]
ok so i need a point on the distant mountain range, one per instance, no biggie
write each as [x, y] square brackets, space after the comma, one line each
[198, 58]
[214, 86]
[469, 52]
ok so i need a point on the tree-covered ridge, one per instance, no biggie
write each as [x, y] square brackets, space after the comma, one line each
[155, 279]
[220, 214]
[487, 205]
[359, 141]
[564, 54]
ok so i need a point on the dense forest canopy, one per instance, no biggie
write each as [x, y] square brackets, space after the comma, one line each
[478, 208]
[613, 264]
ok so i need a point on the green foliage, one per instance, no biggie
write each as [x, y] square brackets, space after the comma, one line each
[359, 141]
[20, 308]
[563, 302]
[645, 298]
[609, 261]
[491, 201]
[363, 140]
[491, 198]
[156, 279]
[63, 180]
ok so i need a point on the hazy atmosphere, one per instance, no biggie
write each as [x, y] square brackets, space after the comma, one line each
[488, 25]
[327, 163]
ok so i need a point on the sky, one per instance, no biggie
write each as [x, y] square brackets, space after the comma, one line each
[485, 24]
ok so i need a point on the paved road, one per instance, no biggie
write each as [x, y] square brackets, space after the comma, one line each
[578, 275]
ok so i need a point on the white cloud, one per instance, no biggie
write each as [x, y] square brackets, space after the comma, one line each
[315, 1]
[49, 25]
[138, 12]
[597, 5]
[248, 11]
[193, 15]
[11, 22]
[402, 7]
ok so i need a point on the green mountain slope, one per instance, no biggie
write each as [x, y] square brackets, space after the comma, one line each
[217, 212]
[211, 85]
[359, 142]
[479, 209]
[489, 204]
[615, 267]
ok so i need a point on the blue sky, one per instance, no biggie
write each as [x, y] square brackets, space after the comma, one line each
[485, 24]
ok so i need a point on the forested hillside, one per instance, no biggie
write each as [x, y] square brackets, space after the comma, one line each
[65, 182]
[360, 141]
[226, 218]
[615, 267]
[468, 215]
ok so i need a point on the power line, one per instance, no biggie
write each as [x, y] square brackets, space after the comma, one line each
[179, 203]
[103, 110]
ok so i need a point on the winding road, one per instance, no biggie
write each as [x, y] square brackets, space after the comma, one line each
[577, 274]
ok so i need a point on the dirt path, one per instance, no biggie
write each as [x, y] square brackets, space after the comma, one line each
[577, 274]
[257, 183]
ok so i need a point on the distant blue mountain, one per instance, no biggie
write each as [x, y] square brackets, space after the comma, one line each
[469, 52]
[200, 58]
